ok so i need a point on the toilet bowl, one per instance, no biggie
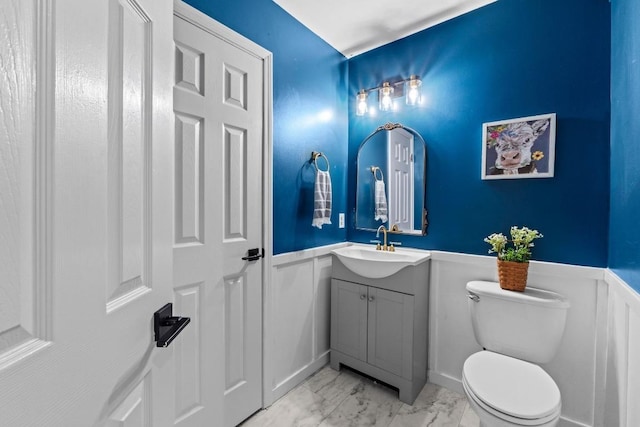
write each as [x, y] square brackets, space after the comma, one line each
[508, 392]
[517, 330]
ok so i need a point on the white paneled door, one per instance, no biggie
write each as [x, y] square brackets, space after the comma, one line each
[112, 205]
[219, 105]
[86, 149]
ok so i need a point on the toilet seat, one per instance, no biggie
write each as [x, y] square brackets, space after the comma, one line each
[504, 417]
[511, 389]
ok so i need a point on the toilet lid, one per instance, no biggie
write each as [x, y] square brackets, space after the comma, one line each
[511, 386]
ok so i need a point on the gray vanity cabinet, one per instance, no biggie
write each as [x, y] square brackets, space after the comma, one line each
[373, 325]
[379, 326]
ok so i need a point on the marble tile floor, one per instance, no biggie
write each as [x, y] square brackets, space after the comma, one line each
[347, 399]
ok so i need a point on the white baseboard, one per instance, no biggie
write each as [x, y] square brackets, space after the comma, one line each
[446, 381]
[568, 422]
[294, 380]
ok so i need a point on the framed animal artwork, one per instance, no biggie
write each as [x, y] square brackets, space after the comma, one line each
[519, 148]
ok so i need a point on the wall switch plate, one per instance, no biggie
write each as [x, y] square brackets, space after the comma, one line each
[341, 220]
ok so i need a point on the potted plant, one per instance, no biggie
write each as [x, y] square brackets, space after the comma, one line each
[513, 256]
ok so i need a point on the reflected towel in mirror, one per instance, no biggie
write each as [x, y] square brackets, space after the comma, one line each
[380, 201]
[322, 199]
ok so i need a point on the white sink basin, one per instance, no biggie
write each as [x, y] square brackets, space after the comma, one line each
[368, 262]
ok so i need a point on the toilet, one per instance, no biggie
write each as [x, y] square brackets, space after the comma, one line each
[517, 330]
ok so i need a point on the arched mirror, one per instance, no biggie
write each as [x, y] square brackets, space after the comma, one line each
[391, 181]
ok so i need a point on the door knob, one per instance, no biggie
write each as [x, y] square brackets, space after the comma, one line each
[166, 327]
[371, 299]
[363, 296]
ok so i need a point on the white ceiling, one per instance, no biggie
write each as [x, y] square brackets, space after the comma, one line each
[356, 26]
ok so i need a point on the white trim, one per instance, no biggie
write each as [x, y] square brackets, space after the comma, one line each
[267, 223]
[538, 267]
[22, 351]
[622, 346]
[207, 24]
[278, 380]
[286, 385]
[126, 298]
[306, 254]
[630, 296]
[568, 422]
[601, 342]
[444, 380]
[44, 142]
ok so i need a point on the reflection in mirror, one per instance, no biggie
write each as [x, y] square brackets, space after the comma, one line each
[391, 180]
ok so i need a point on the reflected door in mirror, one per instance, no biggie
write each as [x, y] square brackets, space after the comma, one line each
[401, 194]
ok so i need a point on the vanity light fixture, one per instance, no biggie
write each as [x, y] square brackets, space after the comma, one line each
[387, 93]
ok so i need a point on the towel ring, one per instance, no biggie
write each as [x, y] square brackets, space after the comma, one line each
[375, 170]
[314, 158]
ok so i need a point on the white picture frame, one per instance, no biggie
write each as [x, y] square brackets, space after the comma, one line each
[519, 148]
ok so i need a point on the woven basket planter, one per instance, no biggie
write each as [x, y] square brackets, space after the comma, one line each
[513, 275]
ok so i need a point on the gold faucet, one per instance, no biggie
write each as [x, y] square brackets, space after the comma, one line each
[384, 231]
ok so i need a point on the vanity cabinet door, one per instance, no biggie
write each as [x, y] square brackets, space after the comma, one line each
[349, 318]
[390, 343]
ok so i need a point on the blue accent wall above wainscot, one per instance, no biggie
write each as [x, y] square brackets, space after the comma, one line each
[506, 60]
[309, 114]
[624, 234]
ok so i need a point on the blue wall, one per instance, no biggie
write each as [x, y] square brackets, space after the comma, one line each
[309, 114]
[624, 234]
[509, 59]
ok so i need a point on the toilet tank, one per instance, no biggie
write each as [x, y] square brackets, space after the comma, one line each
[526, 325]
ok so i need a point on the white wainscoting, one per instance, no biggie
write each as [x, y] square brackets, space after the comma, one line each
[574, 367]
[297, 319]
[597, 367]
[620, 399]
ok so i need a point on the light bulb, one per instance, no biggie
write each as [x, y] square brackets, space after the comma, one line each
[385, 97]
[361, 108]
[413, 96]
[386, 102]
[413, 91]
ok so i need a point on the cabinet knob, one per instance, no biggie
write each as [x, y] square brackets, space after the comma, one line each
[371, 299]
[363, 296]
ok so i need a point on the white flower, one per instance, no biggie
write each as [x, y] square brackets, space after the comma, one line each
[521, 240]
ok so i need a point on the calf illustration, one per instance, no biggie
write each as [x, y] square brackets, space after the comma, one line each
[513, 143]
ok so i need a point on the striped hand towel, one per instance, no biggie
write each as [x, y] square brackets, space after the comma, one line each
[322, 200]
[380, 201]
